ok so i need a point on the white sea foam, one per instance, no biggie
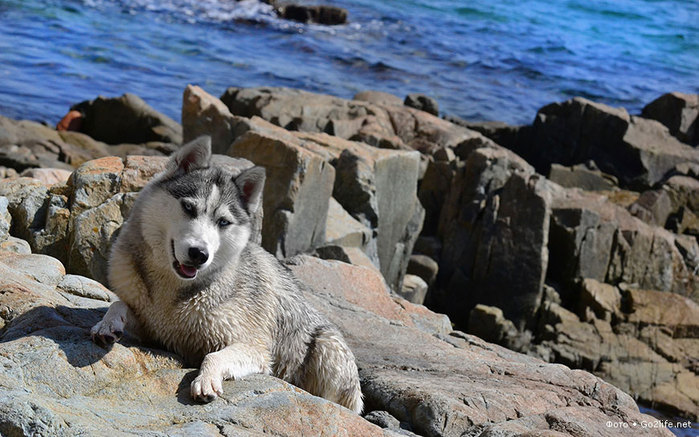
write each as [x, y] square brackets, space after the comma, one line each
[198, 10]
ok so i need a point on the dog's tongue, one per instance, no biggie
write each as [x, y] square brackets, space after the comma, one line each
[187, 271]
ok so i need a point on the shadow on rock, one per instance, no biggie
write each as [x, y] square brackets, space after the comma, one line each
[184, 395]
[69, 329]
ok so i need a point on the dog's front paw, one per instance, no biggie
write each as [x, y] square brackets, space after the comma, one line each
[206, 387]
[106, 332]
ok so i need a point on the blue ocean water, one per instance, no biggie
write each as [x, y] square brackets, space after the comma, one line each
[481, 59]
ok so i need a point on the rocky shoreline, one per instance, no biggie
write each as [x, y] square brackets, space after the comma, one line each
[572, 240]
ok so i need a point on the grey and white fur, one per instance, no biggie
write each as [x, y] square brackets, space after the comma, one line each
[189, 278]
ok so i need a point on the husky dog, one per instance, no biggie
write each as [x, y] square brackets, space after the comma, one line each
[189, 278]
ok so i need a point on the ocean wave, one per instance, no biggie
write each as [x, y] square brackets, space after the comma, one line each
[197, 11]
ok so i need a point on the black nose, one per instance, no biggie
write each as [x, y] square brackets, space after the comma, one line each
[198, 255]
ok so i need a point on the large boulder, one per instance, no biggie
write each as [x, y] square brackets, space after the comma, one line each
[26, 145]
[679, 113]
[637, 151]
[494, 225]
[297, 190]
[378, 188]
[126, 119]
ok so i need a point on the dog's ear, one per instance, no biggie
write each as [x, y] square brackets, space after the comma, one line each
[250, 183]
[191, 156]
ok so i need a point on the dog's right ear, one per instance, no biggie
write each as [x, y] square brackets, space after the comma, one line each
[191, 156]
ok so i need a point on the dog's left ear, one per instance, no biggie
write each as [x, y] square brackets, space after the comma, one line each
[193, 155]
[250, 184]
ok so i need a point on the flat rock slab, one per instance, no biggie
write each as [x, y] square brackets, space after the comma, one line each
[55, 381]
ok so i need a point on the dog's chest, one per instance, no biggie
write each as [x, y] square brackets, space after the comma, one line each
[195, 327]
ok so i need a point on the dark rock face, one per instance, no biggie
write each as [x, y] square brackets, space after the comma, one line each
[126, 119]
[422, 102]
[494, 226]
[637, 151]
[323, 14]
[679, 113]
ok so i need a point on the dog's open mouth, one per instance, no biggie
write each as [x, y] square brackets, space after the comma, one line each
[185, 271]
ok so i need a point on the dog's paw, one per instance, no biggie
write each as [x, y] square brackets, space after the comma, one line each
[206, 387]
[106, 332]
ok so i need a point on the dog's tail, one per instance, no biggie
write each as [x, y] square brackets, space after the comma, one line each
[330, 370]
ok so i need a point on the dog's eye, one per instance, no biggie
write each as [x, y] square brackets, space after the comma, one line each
[188, 208]
[223, 222]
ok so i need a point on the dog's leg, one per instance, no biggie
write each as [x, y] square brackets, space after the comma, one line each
[234, 361]
[112, 326]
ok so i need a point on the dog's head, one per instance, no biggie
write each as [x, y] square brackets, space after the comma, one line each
[201, 216]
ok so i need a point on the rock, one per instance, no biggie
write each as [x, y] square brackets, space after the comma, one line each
[343, 230]
[9, 173]
[422, 102]
[26, 203]
[511, 137]
[594, 238]
[653, 207]
[26, 144]
[92, 233]
[638, 151]
[379, 125]
[495, 226]
[47, 176]
[679, 113]
[429, 246]
[204, 114]
[126, 119]
[689, 249]
[378, 188]
[85, 287]
[414, 289]
[297, 191]
[379, 98]
[15, 245]
[424, 267]
[603, 299]
[582, 176]
[684, 195]
[328, 15]
[366, 288]
[5, 219]
[72, 121]
[350, 255]
[490, 324]
[433, 192]
[650, 307]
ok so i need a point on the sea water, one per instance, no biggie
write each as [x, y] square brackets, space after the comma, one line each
[481, 59]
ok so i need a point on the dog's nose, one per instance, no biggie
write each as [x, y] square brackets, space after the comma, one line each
[198, 255]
